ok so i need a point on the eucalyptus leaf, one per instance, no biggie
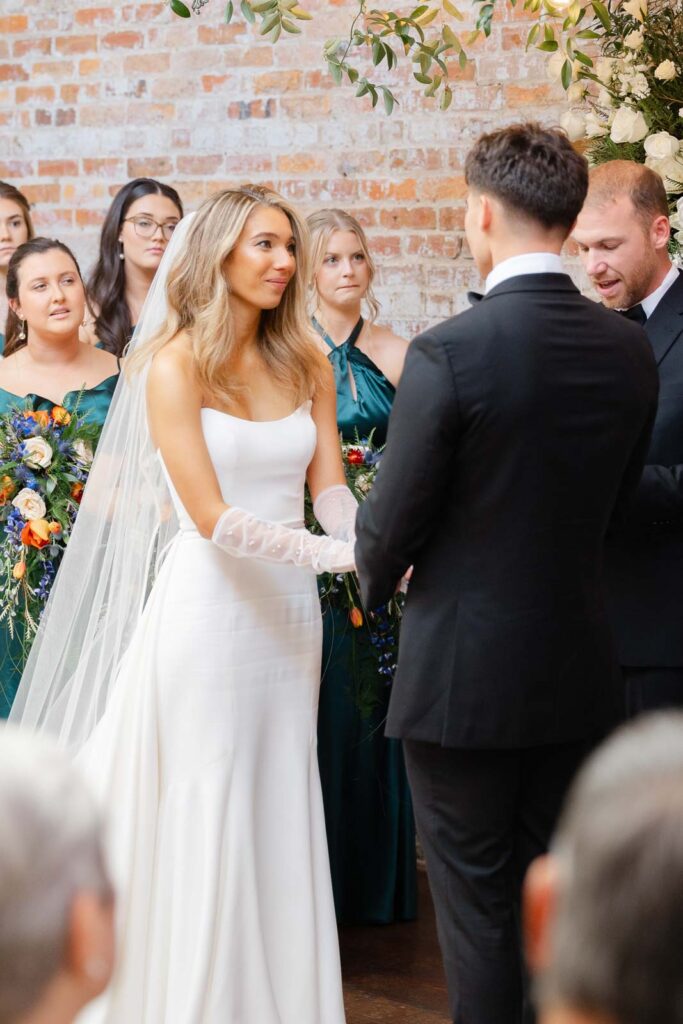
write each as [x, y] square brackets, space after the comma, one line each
[179, 8]
[246, 10]
[389, 101]
[229, 11]
[289, 26]
[566, 74]
[446, 98]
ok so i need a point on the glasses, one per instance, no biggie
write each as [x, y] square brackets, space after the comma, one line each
[145, 227]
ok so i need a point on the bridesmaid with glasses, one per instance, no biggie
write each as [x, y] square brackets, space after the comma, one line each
[368, 811]
[134, 236]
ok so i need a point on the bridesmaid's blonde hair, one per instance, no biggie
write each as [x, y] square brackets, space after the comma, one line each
[322, 225]
[199, 301]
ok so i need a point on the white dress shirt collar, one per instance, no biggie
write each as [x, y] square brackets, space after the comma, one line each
[651, 301]
[527, 263]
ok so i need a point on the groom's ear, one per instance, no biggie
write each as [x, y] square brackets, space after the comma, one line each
[540, 901]
[485, 211]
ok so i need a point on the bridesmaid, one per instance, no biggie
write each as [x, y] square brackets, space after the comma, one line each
[135, 234]
[370, 828]
[16, 227]
[46, 364]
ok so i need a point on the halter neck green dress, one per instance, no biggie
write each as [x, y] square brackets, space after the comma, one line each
[368, 810]
[94, 403]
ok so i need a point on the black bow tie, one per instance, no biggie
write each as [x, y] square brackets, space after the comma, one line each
[635, 313]
[474, 297]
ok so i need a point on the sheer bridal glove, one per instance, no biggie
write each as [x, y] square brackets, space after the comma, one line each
[244, 535]
[335, 509]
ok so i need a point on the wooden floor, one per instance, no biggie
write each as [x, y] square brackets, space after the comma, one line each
[393, 973]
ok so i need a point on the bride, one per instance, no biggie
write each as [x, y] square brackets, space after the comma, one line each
[192, 707]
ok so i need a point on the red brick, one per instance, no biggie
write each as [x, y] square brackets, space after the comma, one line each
[42, 45]
[57, 168]
[89, 218]
[41, 193]
[13, 73]
[147, 64]
[199, 164]
[13, 23]
[39, 93]
[76, 44]
[212, 34]
[16, 169]
[278, 81]
[95, 16]
[418, 217]
[123, 40]
[103, 167]
[150, 167]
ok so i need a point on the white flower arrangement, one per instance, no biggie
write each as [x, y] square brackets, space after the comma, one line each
[627, 99]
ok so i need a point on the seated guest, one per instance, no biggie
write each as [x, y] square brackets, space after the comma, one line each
[604, 914]
[15, 227]
[135, 234]
[46, 365]
[56, 902]
[623, 235]
[368, 811]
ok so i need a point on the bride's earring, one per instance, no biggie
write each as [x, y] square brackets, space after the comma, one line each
[121, 255]
[22, 332]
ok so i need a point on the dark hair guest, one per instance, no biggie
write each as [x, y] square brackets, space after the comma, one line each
[534, 171]
[135, 234]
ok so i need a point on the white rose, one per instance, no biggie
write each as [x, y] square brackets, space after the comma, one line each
[596, 127]
[628, 126]
[671, 171]
[574, 124]
[554, 66]
[638, 86]
[604, 69]
[30, 504]
[576, 92]
[83, 452]
[666, 70]
[636, 8]
[661, 145]
[634, 40]
[38, 453]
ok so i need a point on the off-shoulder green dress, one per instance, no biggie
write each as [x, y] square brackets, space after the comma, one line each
[94, 403]
[368, 810]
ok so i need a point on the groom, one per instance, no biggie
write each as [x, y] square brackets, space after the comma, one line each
[519, 430]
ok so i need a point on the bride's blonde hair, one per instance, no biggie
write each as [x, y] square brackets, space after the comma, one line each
[198, 299]
[322, 225]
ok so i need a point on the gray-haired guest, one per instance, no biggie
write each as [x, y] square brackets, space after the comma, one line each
[605, 907]
[56, 902]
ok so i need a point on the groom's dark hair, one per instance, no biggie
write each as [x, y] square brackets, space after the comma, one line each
[534, 171]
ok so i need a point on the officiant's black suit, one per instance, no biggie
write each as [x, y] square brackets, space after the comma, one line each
[518, 431]
[644, 558]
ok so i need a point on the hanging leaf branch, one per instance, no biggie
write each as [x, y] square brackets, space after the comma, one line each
[430, 36]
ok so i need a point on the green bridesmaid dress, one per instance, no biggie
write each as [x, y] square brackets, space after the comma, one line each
[94, 403]
[368, 810]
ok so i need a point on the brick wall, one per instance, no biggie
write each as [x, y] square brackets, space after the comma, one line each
[91, 96]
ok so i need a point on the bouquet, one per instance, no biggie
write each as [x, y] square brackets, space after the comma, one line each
[45, 458]
[376, 646]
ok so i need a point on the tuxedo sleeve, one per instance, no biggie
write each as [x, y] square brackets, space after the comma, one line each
[658, 499]
[406, 501]
[638, 499]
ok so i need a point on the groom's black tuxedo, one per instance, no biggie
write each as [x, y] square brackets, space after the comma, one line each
[519, 430]
[644, 556]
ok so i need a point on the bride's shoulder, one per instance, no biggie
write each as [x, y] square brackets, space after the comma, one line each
[171, 373]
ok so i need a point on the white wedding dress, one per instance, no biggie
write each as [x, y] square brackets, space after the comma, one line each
[205, 761]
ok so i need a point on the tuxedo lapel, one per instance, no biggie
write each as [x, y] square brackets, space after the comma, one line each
[665, 326]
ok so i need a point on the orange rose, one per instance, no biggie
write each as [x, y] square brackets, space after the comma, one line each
[7, 488]
[356, 617]
[54, 527]
[41, 416]
[77, 492]
[60, 415]
[19, 570]
[36, 533]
